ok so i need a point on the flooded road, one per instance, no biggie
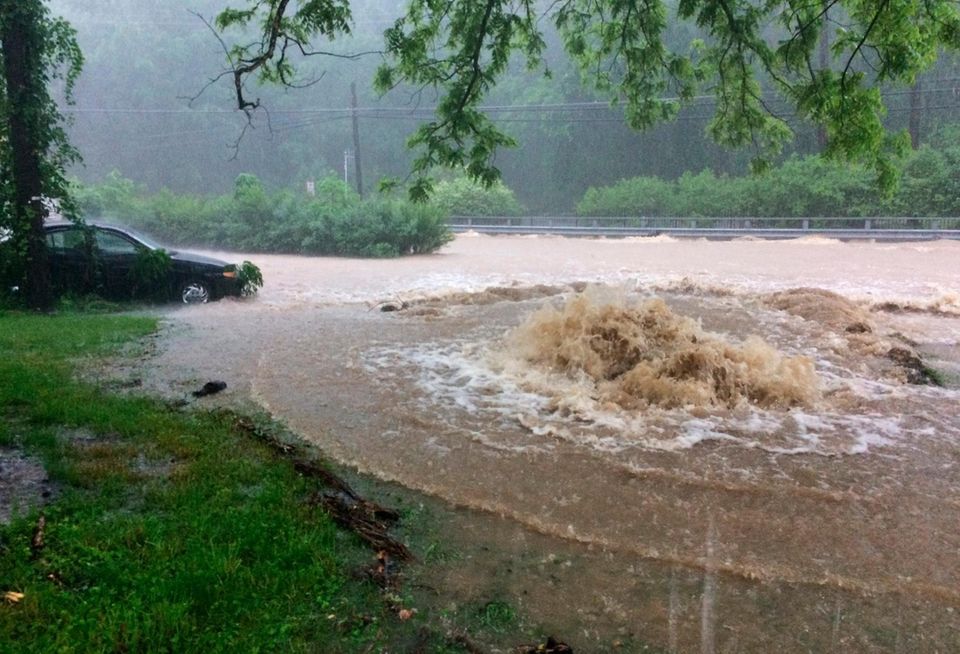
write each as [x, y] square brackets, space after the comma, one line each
[704, 446]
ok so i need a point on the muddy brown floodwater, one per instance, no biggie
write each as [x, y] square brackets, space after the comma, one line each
[703, 446]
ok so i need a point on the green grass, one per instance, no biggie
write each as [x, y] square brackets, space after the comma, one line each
[170, 531]
[497, 616]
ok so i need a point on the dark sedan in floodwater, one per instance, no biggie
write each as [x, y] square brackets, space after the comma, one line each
[117, 262]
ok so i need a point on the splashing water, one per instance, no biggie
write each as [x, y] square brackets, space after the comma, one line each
[645, 354]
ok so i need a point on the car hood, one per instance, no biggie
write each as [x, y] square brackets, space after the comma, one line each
[190, 257]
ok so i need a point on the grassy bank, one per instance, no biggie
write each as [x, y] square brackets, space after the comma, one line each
[169, 530]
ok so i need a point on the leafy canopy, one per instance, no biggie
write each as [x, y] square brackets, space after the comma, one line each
[59, 64]
[749, 55]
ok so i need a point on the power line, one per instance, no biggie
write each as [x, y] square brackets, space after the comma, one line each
[413, 112]
[210, 132]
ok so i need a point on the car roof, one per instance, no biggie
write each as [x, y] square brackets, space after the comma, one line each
[60, 224]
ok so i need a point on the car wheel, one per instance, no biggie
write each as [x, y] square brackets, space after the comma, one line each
[195, 292]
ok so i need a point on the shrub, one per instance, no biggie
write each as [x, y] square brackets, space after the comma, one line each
[389, 228]
[333, 222]
[706, 195]
[148, 273]
[800, 187]
[639, 196]
[462, 196]
[249, 276]
[929, 185]
[116, 195]
[812, 186]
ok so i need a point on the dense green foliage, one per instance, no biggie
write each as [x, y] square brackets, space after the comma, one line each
[38, 57]
[800, 187]
[149, 273]
[335, 221]
[60, 62]
[461, 196]
[747, 54]
[249, 275]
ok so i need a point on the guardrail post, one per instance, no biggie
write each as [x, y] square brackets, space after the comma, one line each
[748, 224]
[806, 224]
[594, 222]
[509, 222]
[470, 221]
[867, 224]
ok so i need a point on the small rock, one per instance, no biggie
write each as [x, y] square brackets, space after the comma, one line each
[912, 366]
[859, 328]
[210, 388]
[393, 306]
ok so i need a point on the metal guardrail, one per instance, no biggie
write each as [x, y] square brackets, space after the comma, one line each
[894, 228]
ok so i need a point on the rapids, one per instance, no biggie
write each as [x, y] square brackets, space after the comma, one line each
[716, 442]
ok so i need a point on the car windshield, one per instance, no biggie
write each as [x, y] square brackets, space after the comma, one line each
[146, 240]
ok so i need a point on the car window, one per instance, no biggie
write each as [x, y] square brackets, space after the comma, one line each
[146, 240]
[65, 239]
[110, 243]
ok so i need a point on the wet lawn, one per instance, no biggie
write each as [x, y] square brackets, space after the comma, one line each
[165, 530]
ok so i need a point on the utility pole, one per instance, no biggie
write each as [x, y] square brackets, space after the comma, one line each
[824, 65]
[356, 138]
[916, 111]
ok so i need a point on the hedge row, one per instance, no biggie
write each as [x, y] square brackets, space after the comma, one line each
[335, 221]
[801, 187]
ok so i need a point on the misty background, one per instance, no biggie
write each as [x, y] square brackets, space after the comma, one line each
[140, 111]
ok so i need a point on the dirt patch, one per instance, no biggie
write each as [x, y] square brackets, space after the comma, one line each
[23, 484]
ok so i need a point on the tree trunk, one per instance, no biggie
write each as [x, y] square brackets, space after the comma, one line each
[23, 76]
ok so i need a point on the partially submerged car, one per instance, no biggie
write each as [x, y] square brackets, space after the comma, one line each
[110, 260]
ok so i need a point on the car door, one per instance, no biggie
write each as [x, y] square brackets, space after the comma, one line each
[71, 260]
[116, 255]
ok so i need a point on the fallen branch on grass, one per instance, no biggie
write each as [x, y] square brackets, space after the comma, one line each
[37, 542]
[552, 646]
[367, 519]
[360, 517]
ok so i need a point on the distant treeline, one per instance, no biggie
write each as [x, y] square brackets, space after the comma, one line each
[800, 187]
[332, 221]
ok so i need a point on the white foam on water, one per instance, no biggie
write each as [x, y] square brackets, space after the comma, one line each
[487, 383]
[459, 377]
